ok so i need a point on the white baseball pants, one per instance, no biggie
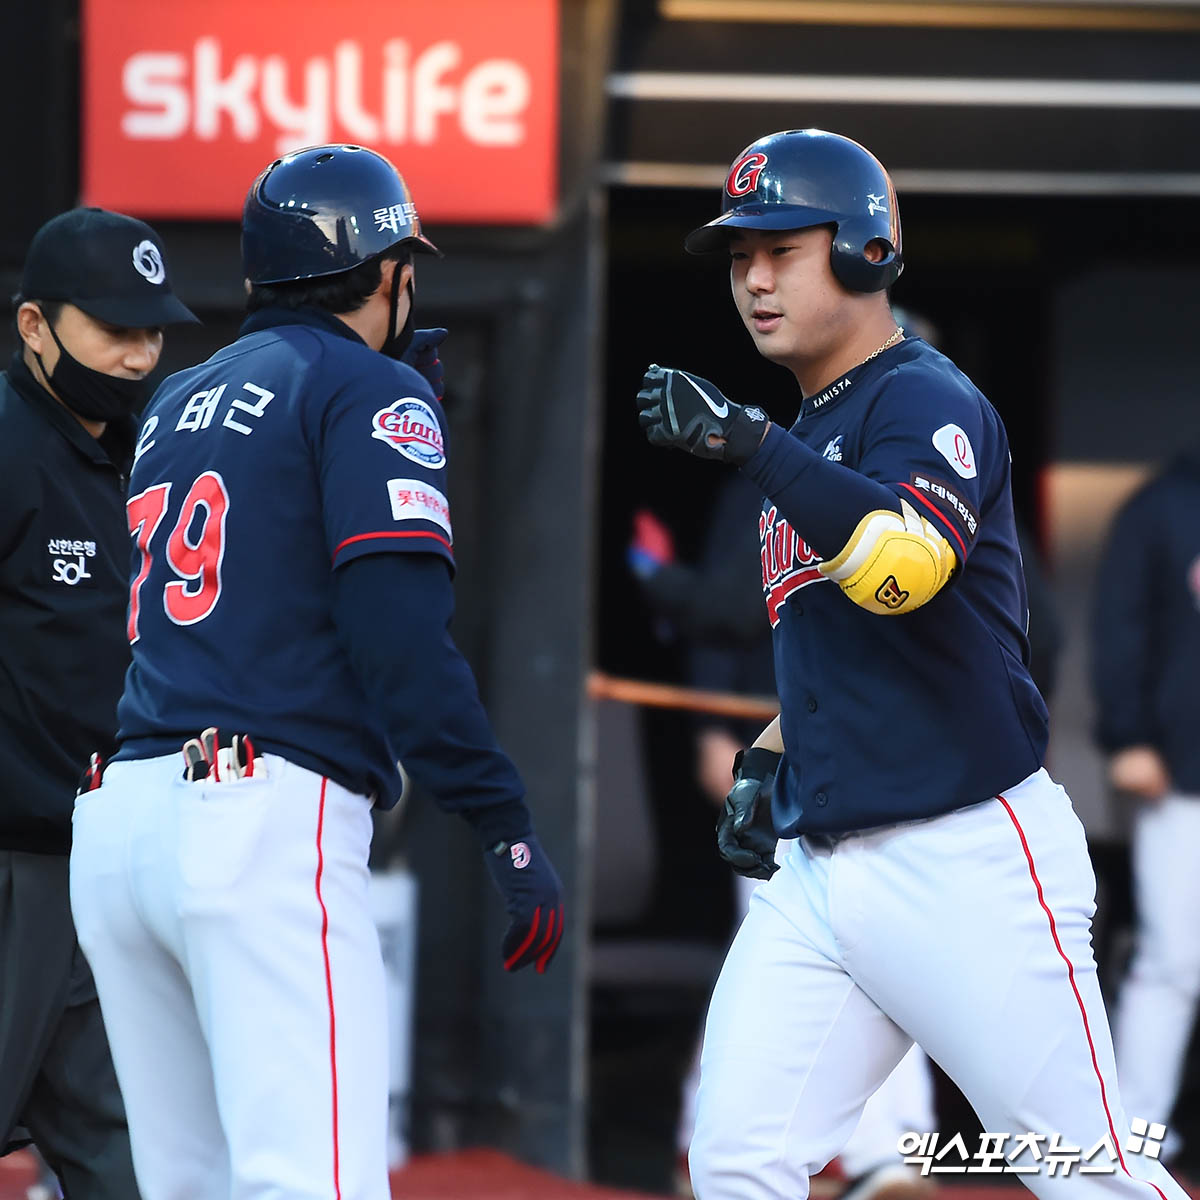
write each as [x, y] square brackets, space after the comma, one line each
[903, 1102]
[240, 978]
[969, 933]
[1157, 1003]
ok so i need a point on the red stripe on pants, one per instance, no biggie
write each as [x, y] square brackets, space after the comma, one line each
[337, 1180]
[1087, 1028]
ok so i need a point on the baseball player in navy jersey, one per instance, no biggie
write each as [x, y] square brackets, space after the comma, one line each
[290, 595]
[940, 889]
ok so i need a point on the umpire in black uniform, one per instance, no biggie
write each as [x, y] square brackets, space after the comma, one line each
[94, 299]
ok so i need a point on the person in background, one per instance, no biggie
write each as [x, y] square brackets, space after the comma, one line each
[1146, 663]
[95, 296]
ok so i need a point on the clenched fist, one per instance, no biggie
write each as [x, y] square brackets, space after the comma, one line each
[677, 408]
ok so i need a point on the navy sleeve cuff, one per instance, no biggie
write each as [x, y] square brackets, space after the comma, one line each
[508, 821]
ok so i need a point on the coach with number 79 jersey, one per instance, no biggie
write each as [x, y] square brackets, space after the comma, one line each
[291, 595]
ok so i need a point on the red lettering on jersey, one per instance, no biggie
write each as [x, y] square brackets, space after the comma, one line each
[145, 511]
[962, 452]
[411, 427]
[193, 596]
[405, 429]
[788, 561]
[193, 554]
[779, 593]
[780, 542]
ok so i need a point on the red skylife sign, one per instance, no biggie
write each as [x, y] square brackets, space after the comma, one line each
[185, 102]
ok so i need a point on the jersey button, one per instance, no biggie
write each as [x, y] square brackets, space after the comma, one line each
[821, 799]
[812, 705]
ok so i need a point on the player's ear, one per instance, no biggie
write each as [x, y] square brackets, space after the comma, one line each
[29, 326]
[388, 268]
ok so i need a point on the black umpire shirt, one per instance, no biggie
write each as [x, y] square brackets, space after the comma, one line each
[64, 588]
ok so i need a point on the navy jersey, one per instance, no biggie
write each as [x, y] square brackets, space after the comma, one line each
[285, 455]
[893, 718]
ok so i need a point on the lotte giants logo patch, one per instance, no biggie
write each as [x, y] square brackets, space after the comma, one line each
[952, 443]
[743, 175]
[411, 427]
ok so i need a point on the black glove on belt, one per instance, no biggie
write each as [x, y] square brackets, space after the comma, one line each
[745, 836]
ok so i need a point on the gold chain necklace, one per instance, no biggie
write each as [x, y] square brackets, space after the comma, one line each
[833, 389]
[897, 334]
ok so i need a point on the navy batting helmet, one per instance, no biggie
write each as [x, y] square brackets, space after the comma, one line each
[805, 177]
[323, 210]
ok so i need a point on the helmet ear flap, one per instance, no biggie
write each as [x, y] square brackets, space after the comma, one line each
[848, 257]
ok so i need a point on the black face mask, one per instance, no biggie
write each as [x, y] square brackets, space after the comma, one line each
[90, 393]
[396, 345]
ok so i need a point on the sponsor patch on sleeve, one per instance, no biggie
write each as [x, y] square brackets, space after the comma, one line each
[952, 443]
[949, 501]
[411, 428]
[416, 500]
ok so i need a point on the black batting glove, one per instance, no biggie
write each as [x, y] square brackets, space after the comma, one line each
[533, 897]
[746, 837]
[677, 408]
[422, 355]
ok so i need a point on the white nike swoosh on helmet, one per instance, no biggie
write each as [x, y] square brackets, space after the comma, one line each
[722, 412]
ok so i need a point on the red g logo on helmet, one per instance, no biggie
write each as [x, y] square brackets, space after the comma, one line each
[743, 175]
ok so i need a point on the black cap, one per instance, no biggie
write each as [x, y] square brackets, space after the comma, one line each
[107, 264]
